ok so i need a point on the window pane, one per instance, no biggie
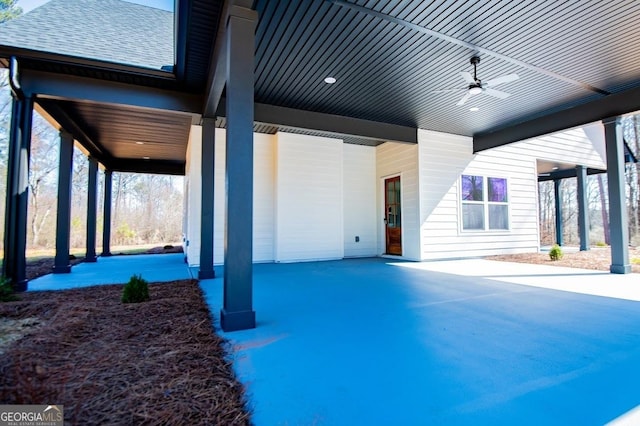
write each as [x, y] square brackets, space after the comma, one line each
[473, 216]
[498, 217]
[472, 188]
[497, 190]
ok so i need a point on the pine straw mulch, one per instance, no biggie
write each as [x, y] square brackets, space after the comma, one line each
[598, 258]
[157, 362]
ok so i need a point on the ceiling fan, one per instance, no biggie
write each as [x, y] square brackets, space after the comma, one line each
[477, 86]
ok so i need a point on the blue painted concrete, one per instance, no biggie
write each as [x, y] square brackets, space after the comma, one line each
[366, 342]
[117, 270]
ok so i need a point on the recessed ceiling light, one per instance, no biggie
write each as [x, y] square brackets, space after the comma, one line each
[474, 109]
[330, 80]
[146, 158]
[139, 143]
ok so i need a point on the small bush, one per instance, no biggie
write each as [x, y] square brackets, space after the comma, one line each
[136, 290]
[635, 260]
[601, 244]
[555, 253]
[6, 291]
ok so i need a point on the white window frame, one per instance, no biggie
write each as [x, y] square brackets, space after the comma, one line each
[485, 203]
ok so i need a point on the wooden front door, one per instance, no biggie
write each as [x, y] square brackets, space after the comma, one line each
[392, 219]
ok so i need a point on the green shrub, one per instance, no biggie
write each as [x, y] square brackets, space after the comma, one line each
[6, 291]
[555, 253]
[635, 260]
[136, 290]
[601, 244]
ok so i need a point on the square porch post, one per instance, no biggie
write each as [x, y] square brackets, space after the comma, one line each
[106, 227]
[237, 312]
[206, 215]
[583, 208]
[557, 192]
[92, 207]
[617, 199]
[17, 201]
[63, 219]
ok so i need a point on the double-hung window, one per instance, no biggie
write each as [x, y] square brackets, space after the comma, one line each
[485, 203]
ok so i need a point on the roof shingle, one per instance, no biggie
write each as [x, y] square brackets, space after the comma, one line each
[107, 30]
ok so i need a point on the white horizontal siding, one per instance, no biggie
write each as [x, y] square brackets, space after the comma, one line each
[393, 159]
[359, 186]
[309, 198]
[193, 198]
[263, 197]
[443, 158]
[573, 146]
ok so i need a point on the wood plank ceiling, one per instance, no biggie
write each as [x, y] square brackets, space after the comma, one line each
[387, 71]
[395, 62]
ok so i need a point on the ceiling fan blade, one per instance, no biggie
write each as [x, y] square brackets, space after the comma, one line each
[497, 93]
[501, 80]
[464, 99]
[467, 77]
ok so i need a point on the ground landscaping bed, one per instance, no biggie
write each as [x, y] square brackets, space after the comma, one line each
[157, 362]
[598, 258]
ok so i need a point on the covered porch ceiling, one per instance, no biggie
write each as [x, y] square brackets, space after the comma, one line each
[397, 68]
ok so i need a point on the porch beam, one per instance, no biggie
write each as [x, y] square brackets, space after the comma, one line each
[92, 206]
[207, 196]
[106, 226]
[63, 87]
[617, 199]
[70, 125]
[63, 219]
[163, 167]
[336, 124]
[566, 174]
[612, 105]
[583, 208]
[237, 311]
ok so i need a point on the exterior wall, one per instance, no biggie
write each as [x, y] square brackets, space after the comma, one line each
[582, 145]
[192, 197]
[327, 198]
[309, 198]
[443, 159]
[393, 159]
[359, 186]
[263, 197]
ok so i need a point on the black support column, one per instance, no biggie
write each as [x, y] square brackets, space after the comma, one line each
[206, 216]
[583, 208]
[92, 207]
[106, 227]
[237, 312]
[557, 192]
[617, 202]
[63, 220]
[17, 202]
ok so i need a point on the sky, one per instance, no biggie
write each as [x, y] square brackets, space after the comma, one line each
[28, 5]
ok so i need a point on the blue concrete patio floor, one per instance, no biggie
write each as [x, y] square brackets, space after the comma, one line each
[373, 341]
[117, 270]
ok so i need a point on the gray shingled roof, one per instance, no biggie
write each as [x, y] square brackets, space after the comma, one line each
[108, 30]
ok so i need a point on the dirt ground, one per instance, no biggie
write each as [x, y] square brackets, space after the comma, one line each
[157, 362]
[598, 258]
